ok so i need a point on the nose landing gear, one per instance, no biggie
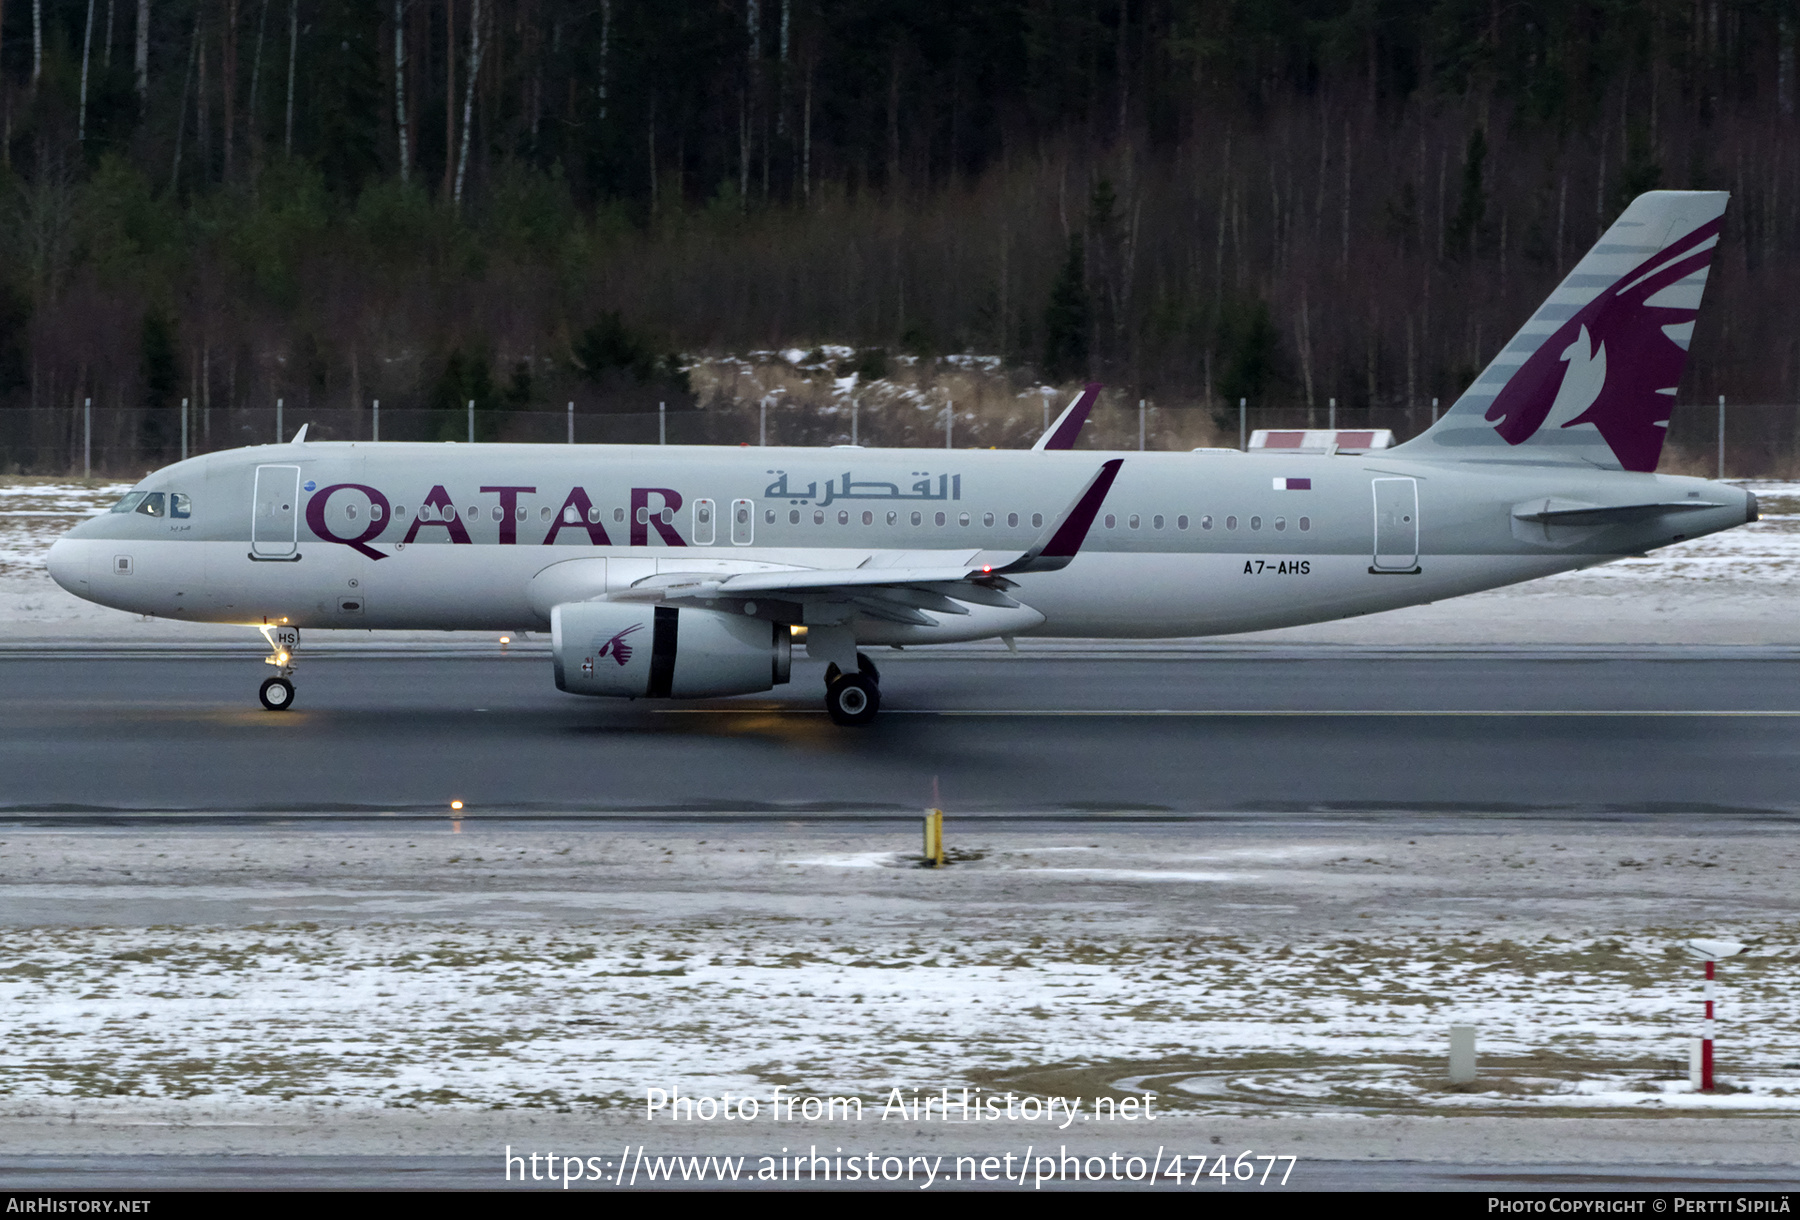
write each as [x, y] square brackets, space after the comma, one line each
[277, 694]
[853, 699]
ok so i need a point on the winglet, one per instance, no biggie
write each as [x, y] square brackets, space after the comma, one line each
[1063, 539]
[1062, 433]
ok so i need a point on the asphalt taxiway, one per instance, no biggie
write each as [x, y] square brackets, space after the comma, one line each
[1054, 730]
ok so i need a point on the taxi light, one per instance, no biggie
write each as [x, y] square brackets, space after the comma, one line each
[506, 639]
[456, 804]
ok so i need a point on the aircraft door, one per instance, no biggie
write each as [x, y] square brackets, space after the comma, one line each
[275, 516]
[1396, 525]
[705, 524]
[743, 522]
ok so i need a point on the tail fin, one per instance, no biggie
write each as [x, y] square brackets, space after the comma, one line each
[1591, 378]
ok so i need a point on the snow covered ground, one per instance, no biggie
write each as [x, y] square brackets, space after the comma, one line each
[568, 968]
[1736, 587]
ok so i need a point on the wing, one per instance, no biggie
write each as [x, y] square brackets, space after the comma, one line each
[906, 591]
[1062, 433]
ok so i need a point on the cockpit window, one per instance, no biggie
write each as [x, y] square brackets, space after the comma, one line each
[180, 505]
[152, 505]
[129, 501]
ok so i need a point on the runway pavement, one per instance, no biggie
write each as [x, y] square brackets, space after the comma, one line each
[1058, 730]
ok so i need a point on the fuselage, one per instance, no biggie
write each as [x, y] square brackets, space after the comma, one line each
[460, 537]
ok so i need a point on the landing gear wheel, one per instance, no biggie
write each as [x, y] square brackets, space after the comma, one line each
[852, 699]
[867, 667]
[277, 694]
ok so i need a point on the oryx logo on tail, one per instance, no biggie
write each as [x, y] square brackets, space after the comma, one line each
[1614, 364]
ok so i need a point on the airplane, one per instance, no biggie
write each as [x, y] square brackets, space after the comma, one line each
[692, 572]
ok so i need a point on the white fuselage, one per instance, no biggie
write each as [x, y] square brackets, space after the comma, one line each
[452, 537]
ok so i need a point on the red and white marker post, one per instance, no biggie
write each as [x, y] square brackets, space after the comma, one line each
[1710, 951]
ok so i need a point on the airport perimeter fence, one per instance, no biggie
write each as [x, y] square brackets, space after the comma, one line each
[1759, 440]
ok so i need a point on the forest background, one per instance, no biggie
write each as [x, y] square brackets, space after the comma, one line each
[1288, 202]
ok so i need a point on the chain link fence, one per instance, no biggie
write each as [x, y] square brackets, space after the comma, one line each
[1758, 440]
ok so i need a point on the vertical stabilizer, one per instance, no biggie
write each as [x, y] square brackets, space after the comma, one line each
[1591, 378]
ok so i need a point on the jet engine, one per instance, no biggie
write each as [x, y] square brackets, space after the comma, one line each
[635, 650]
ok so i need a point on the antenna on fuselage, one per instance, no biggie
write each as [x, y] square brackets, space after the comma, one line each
[300, 436]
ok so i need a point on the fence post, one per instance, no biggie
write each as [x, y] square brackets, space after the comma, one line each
[571, 421]
[762, 422]
[87, 438]
[1434, 410]
[1243, 436]
[375, 422]
[662, 423]
[855, 407]
[471, 421]
[1331, 417]
[1721, 436]
[949, 421]
[278, 421]
[1140, 425]
[184, 429]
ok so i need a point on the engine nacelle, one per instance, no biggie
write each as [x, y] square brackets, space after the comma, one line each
[635, 650]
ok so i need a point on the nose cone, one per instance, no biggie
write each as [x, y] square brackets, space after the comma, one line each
[67, 562]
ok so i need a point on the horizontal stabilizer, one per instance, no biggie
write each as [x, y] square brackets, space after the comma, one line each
[1570, 512]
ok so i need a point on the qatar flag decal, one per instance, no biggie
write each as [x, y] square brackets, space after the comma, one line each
[1293, 484]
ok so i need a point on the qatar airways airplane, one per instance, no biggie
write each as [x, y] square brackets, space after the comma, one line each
[691, 572]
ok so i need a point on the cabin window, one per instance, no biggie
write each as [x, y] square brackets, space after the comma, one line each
[543, 513]
[1181, 522]
[962, 519]
[940, 518]
[643, 514]
[497, 513]
[843, 517]
[594, 515]
[918, 519]
[1012, 521]
[1156, 522]
[1231, 523]
[1112, 522]
[350, 512]
[1281, 523]
[618, 515]
[893, 517]
[793, 516]
[472, 512]
[181, 506]
[1256, 523]
[1037, 521]
[1132, 521]
[1206, 523]
[571, 515]
[768, 516]
[987, 519]
[374, 512]
[703, 513]
[818, 516]
[668, 516]
[868, 517]
[1306, 523]
[399, 510]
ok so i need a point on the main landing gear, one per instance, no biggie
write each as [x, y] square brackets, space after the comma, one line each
[853, 699]
[277, 694]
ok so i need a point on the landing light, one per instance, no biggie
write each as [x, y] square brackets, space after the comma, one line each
[506, 639]
[456, 804]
